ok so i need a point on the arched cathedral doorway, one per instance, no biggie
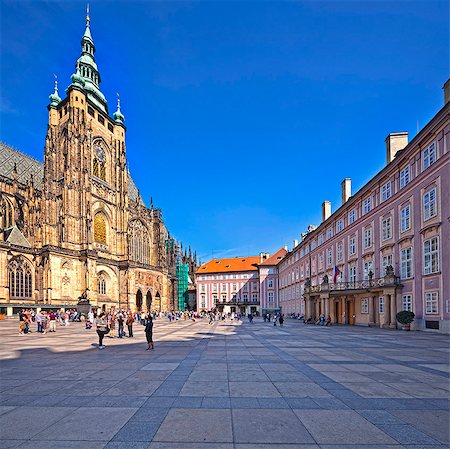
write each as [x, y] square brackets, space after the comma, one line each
[148, 301]
[139, 300]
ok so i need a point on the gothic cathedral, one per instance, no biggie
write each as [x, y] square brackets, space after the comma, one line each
[75, 228]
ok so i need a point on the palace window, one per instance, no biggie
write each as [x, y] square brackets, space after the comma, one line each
[386, 261]
[100, 228]
[407, 303]
[406, 267]
[365, 305]
[139, 242]
[367, 238]
[404, 177]
[339, 251]
[368, 268]
[339, 226]
[352, 246]
[386, 191]
[429, 155]
[431, 256]
[352, 216]
[270, 296]
[429, 204]
[405, 218]
[352, 273]
[386, 228]
[20, 279]
[101, 284]
[431, 302]
[270, 283]
[367, 205]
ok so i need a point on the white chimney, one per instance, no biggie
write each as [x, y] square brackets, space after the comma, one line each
[394, 143]
[295, 243]
[346, 187]
[326, 210]
[286, 247]
[447, 91]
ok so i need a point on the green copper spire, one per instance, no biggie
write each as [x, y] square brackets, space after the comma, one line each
[118, 116]
[54, 97]
[87, 74]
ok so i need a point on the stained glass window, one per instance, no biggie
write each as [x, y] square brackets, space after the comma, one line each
[101, 284]
[20, 279]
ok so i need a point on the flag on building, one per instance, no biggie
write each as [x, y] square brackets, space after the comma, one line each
[337, 272]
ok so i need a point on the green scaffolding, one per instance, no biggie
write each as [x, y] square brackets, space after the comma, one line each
[183, 284]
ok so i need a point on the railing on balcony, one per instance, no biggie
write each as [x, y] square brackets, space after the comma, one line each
[387, 281]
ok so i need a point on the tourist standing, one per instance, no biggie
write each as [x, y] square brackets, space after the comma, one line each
[130, 322]
[52, 320]
[120, 323]
[102, 329]
[149, 332]
[281, 320]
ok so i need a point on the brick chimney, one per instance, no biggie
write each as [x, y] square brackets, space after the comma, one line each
[326, 210]
[394, 143]
[346, 187]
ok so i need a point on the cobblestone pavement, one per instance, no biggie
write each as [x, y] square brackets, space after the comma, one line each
[225, 386]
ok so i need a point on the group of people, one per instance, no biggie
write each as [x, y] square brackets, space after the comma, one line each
[45, 320]
[276, 318]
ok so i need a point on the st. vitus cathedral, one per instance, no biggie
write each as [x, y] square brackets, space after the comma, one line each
[75, 227]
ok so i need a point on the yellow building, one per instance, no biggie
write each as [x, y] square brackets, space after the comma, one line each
[75, 227]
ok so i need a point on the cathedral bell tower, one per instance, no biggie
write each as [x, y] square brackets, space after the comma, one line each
[85, 176]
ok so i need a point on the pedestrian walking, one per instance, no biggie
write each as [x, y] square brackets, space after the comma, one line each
[149, 332]
[52, 321]
[281, 320]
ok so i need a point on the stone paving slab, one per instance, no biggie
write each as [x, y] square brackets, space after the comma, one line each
[225, 386]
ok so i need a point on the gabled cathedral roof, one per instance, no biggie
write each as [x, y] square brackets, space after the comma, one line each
[26, 167]
[14, 236]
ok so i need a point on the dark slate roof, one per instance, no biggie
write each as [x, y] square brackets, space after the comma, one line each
[27, 166]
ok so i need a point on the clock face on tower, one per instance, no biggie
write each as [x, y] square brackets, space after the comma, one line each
[99, 153]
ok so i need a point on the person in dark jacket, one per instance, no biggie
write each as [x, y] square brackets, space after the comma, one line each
[149, 332]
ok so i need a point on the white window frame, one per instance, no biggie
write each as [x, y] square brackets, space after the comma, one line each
[329, 257]
[431, 255]
[430, 204]
[386, 191]
[386, 228]
[352, 273]
[429, 155]
[368, 237]
[406, 263]
[329, 233]
[407, 302]
[270, 283]
[352, 216]
[432, 303]
[367, 205]
[339, 252]
[352, 246]
[405, 177]
[270, 296]
[365, 305]
[368, 267]
[386, 260]
[339, 225]
[405, 218]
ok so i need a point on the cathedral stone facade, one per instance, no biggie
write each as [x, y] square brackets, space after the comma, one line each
[75, 227]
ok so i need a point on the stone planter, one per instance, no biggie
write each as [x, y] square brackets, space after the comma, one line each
[406, 327]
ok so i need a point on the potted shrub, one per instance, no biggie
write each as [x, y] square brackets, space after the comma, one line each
[405, 318]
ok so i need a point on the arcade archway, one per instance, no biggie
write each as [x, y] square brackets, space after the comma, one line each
[139, 300]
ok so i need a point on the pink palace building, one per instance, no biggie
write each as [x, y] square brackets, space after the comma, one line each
[387, 247]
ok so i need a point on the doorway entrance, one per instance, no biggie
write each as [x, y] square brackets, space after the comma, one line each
[350, 312]
[139, 300]
[148, 301]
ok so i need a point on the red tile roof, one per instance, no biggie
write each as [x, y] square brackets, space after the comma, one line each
[230, 265]
[275, 258]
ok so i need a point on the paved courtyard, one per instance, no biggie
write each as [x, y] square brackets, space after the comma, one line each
[225, 386]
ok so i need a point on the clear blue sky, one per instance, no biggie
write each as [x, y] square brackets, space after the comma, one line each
[242, 117]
